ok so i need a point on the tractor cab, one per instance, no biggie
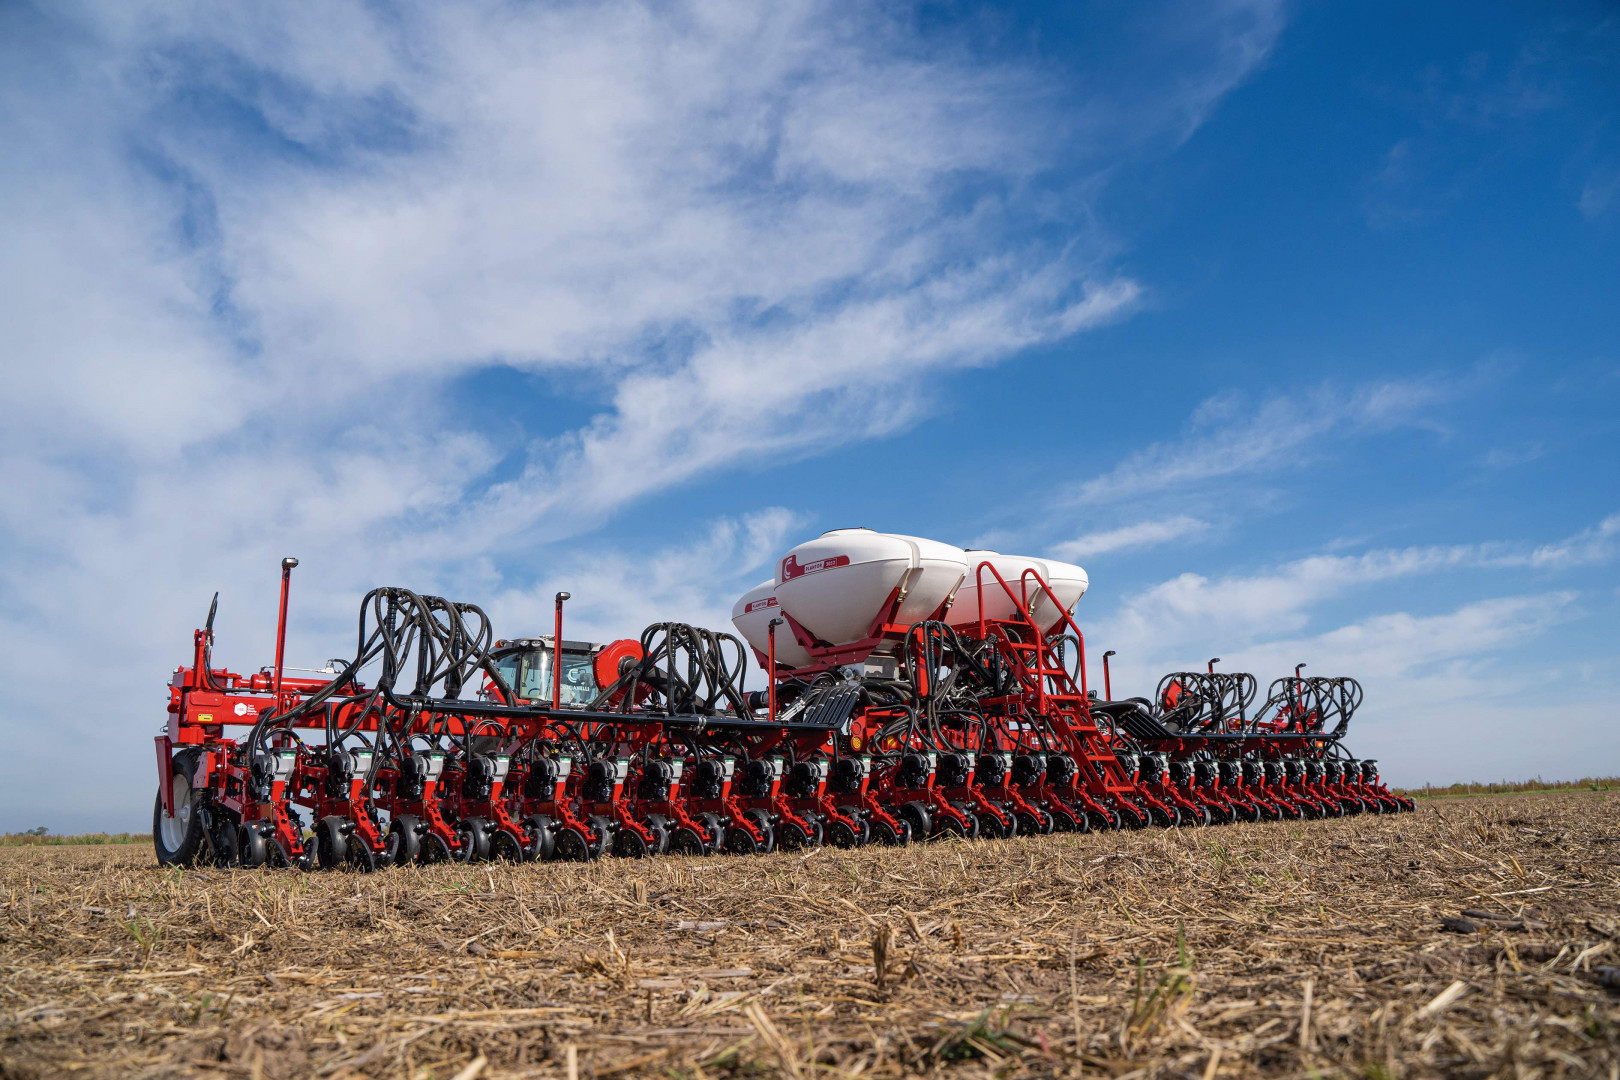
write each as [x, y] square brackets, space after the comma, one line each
[526, 665]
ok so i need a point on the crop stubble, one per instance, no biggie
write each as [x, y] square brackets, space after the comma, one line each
[1285, 949]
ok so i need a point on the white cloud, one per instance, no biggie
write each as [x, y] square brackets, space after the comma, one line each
[1425, 655]
[1228, 436]
[252, 251]
[1441, 704]
[1281, 598]
[1142, 534]
[1272, 600]
[616, 594]
[1449, 695]
[1587, 547]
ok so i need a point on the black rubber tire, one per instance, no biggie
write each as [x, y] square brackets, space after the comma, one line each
[179, 840]
[762, 822]
[540, 841]
[659, 825]
[840, 835]
[971, 830]
[684, 841]
[405, 840]
[569, 845]
[921, 821]
[505, 846]
[629, 844]
[600, 836]
[888, 837]
[740, 842]
[435, 849]
[789, 837]
[360, 857]
[1105, 821]
[1063, 821]
[863, 831]
[715, 826]
[474, 835]
[222, 838]
[990, 826]
[863, 828]
[252, 849]
[331, 842]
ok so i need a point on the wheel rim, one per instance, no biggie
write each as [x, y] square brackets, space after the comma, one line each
[571, 846]
[174, 828]
[358, 856]
[434, 849]
[504, 847]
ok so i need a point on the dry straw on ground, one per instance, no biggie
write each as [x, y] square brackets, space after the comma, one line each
[1278, 949]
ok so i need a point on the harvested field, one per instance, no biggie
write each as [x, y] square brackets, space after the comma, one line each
[1275, 949]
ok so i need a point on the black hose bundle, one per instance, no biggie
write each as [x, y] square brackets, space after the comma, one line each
[444, 644]
[1310, 704]
[1205, 702]
[687, 670]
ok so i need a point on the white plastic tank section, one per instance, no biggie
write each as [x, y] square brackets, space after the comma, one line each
[835, 586]
[1067, 581]
[752, 616]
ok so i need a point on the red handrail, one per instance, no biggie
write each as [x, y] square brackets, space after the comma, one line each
[1023, 584]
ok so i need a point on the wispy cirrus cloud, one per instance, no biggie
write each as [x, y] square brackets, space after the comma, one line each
[1279, 599]
[1230, 435]
[259, 254]
[1598, 544]
[1431, 677]
[1436, 681]
[692, 579]
[1142, 534]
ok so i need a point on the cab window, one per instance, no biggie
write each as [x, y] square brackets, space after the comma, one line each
[529, 674]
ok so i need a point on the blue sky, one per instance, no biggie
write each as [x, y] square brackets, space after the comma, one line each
[1297, 325]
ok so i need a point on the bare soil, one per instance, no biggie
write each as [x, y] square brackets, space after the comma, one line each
[1293, 949]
